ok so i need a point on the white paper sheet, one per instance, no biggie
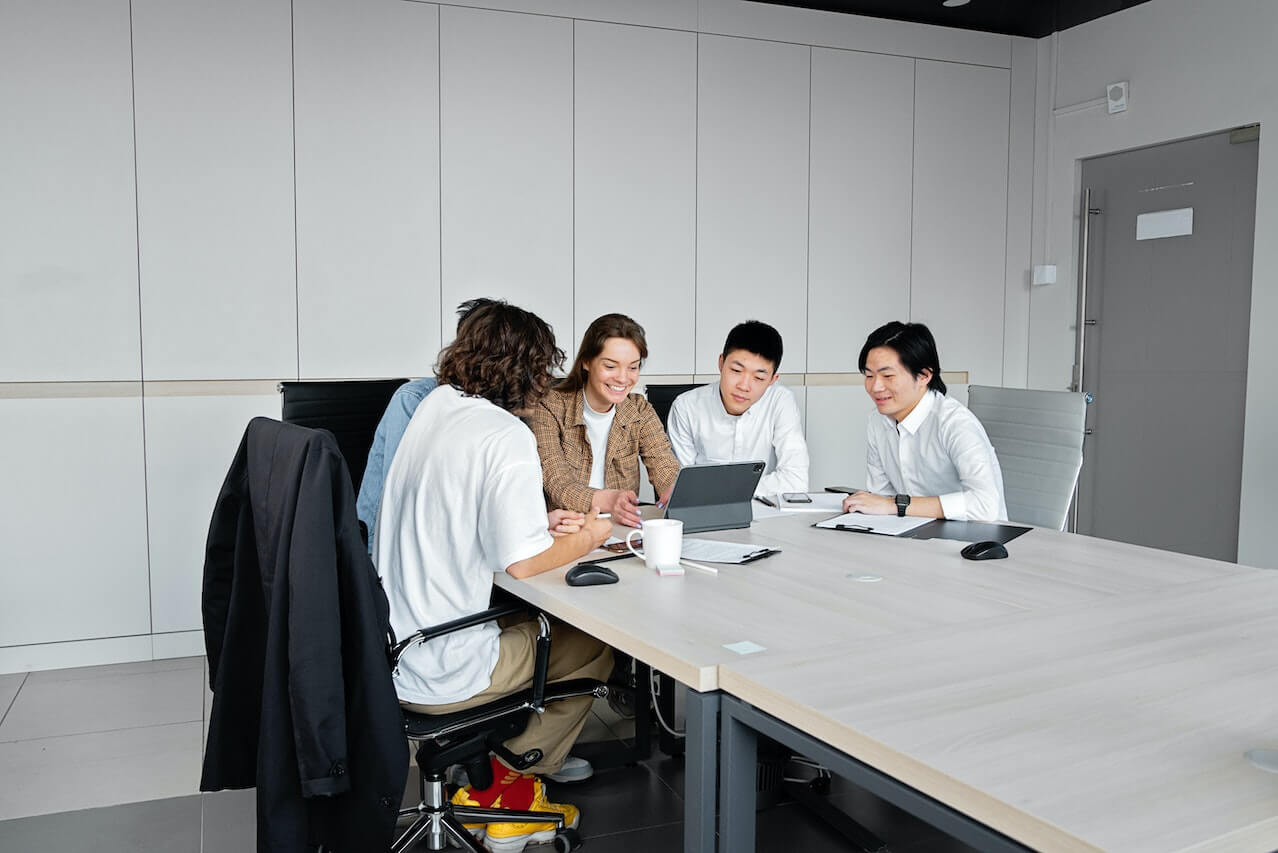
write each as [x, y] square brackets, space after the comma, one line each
[714, 551]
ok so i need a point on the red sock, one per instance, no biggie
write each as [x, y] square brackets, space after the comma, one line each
[519, 794]
[503, 778]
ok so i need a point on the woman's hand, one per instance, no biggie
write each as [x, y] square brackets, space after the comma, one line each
[622, 503]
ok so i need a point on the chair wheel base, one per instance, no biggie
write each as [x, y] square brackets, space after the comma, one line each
[567, 840]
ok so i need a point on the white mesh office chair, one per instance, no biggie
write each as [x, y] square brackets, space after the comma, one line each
[1038, 436]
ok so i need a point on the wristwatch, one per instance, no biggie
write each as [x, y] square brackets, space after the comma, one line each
[902, 504]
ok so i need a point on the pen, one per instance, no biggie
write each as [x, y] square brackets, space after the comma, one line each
[711, 569]
[625, 556]
[759, 555]
[859, 528]
[761, 499]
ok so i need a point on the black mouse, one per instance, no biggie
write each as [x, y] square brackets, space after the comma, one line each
[589, 574]
[984, 551]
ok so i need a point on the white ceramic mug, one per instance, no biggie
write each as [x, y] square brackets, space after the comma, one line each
[662, 543]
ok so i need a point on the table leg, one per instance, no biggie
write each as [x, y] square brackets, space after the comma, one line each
[738, 782]
[700, 772]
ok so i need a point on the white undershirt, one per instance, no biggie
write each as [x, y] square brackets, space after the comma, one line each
[597, 428]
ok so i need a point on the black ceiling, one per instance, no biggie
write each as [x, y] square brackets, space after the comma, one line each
[1034, 18]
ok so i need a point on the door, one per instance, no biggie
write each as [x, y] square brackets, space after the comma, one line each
[1166, 306]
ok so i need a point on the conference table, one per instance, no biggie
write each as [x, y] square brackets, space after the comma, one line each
[1082, 694]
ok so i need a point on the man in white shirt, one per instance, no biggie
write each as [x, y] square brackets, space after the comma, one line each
[747, 416]
[927, 455]
[463, 500]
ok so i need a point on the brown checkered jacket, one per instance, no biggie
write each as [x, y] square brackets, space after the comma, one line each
[564, 447]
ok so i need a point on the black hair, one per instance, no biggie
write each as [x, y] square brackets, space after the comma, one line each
[913, 344]
[758, 338]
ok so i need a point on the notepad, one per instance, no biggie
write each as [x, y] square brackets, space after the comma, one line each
[887, 525]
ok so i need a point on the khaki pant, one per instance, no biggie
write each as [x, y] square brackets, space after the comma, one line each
[572, 655]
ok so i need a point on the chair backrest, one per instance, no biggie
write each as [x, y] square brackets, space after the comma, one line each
[662, 397]
[1038, 436]
[350, 410]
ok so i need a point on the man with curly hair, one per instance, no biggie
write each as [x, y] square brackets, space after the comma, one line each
[463, 499]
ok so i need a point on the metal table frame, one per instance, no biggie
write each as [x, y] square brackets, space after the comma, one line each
[740, 726]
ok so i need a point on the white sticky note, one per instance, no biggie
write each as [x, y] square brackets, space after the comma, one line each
[745, 647]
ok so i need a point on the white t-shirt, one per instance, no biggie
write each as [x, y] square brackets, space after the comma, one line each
[701, 431]
[597, 428]
[462, 500]
[940, 450]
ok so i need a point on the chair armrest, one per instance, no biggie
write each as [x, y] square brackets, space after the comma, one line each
[542, 661]
[421, 635]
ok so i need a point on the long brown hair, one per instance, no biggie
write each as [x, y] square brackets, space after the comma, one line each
[592, 343]
[502, 353]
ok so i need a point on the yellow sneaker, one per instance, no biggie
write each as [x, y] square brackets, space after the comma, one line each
[513, 837]
[463, 798]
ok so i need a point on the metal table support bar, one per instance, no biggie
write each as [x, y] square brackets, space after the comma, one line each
[701, 769]
[741, 724]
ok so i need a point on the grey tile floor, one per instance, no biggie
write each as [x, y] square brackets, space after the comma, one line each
[107, 759]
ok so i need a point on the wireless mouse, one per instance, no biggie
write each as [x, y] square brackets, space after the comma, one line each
[589, 574]
[984, 551]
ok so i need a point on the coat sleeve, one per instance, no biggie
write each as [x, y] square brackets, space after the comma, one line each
[315, 682]
[219, 562]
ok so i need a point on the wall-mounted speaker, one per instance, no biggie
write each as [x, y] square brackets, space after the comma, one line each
[1116, 95]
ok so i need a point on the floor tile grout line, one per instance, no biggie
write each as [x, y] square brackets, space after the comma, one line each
[13, 701]
[100, 732]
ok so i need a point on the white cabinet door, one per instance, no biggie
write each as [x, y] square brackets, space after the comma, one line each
[68, 225]
[635, 184]
[837, 415]
[506, 154]
[190, 444]
[862, 152]
[73, 562]
[214, 106]
[960, 214]
[366, 84]
[752, 193]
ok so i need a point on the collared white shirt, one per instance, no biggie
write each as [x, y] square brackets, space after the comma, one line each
[702, 431]
[940, 450]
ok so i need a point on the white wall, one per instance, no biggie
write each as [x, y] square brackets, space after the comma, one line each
[1195, 68]
[203, 199]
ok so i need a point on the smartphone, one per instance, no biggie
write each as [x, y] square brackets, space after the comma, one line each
[796, 498]
[620, 547]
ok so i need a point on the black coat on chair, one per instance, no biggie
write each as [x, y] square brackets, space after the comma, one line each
[295, 625]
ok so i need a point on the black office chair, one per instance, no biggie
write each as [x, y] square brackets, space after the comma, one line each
[350, 410]
[467, 737]
[662, 397]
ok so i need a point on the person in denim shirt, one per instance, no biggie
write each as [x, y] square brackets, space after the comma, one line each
[390, 429]
[385, 442]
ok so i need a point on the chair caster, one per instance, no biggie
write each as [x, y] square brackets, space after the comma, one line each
[567, 840]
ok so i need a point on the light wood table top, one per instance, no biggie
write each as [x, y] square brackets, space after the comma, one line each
[809, 596]
[1117, 723]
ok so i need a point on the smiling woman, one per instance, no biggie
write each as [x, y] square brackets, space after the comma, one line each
[592, 430]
